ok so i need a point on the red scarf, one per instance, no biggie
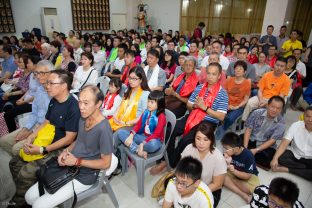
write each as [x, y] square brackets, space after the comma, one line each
[108, 105]
[125, 74]
[197, 115]
[189, 85]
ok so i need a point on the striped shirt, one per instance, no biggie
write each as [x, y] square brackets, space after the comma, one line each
[220, 103]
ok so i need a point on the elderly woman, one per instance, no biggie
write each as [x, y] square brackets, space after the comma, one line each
[46, 52]
[214, 165]
[181, 88]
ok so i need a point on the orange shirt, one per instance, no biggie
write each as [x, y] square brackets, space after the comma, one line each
[271, 85]
[237, 92]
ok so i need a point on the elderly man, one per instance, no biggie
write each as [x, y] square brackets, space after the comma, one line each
[298, 158]
[14, 141]
[77, 51]
[46, 52]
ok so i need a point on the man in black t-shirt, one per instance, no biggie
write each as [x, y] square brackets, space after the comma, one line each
[63, 112]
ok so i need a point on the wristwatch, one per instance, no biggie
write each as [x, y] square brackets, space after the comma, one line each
[45, 151]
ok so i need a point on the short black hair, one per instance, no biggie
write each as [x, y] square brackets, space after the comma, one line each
[28, 40]
[309, 108]
[130, 52]
[99, 96]
[7, 48]
[242, 48]
[206, 128]
[297, 49]
[270, 26]
[65, 76]
[116, 82]
[153, 52]
[278, 99]
[282, 59]
[98, 42]
[201, 24]
[284, 26]
[157, 39]
[232, 139]
[183, 53]
[271, 46]
[217, 41]
[241, 63]
[89, 55]
[159, 97]
[34, 59]
[189, 167]
[123, 46]
[284, 189]
[215, 65]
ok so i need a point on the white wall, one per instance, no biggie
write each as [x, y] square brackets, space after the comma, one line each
[274, 14]
[164, 14]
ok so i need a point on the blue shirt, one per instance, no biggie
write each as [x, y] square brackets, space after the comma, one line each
[39, 108]
[220, 103]
[8, 65]
[245, 162]
[263, 128]
[307, 94]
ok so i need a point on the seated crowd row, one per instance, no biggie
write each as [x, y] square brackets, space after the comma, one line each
[137, 119]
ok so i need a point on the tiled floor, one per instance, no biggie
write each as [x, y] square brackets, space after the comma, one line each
[125, 187]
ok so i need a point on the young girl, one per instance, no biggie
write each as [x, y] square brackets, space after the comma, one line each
[148, 134]
[112, 99]
[242, 176]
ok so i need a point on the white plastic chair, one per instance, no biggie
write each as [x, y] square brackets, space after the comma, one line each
[140, 163]
[104, 83]
[101, 183]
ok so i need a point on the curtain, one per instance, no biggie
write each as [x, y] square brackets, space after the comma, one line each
[303, 16]
[221, 16]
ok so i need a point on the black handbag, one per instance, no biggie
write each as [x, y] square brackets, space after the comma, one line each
[51, 177]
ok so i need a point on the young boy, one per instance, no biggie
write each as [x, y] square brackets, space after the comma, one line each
[242, 176]
[186, 189]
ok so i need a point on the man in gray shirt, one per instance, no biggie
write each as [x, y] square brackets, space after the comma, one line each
[242, 53]
[263, 128]
[282, 37]
[267, 40]
[155, 75]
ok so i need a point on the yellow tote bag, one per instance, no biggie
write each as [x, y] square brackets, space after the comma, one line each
[44, 138]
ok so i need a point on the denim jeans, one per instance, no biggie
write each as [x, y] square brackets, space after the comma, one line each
[228, 121]
[150, 147]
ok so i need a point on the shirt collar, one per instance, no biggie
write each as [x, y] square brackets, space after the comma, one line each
[265, 114]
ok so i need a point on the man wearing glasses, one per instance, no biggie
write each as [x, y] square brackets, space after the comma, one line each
[186, 189]
[63, 113]
[13, 142]
[242, 53]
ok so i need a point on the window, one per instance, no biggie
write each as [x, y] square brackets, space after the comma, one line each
[221, 16]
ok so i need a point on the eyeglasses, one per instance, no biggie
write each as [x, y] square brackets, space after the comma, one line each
[40, 73]
[227, 150]
[273, 204]
[183, 185]
[53, 83]
[133, 79]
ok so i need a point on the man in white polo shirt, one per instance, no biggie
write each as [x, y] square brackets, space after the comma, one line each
[298, 158]
[216, 47]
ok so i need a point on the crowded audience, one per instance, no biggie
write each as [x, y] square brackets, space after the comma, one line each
[208, 82]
